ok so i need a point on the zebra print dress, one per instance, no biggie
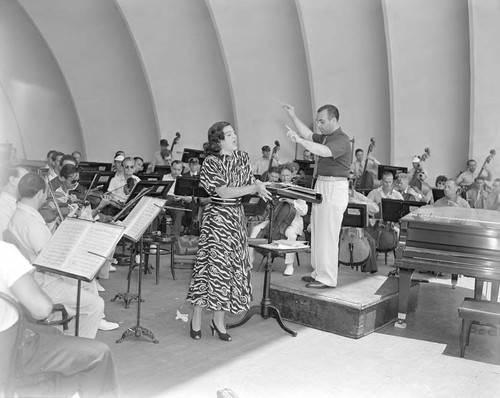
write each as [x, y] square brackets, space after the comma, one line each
[221, 278]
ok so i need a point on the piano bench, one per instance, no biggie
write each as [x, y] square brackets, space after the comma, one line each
[476, 310]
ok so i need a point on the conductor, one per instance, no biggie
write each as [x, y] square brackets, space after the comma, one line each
[333, 153]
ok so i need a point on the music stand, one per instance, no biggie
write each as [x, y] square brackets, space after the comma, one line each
[437, 194]
[265, 308]
[253, 205]
[193, 153]
[189, 186]
[355, 215]
[158, 189]
[394, 209]
[99, 166]
[162, 169]
[104, 179]
[395, 170]
[149, 177]
[306, 165]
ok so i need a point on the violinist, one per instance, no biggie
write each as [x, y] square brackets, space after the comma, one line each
[296, 223]
[9, 196]
[118, 183]
[263, 163]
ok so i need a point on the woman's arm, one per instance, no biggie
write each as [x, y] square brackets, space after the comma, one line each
[258, 188]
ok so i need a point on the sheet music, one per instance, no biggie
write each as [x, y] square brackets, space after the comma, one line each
[142, 216]
[79, 248]
[62, 242]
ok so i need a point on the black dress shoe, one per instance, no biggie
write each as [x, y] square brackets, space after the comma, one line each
[317, 285]
[308, 278]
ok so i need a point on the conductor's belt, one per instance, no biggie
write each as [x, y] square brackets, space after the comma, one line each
[225, 202]
[330, 178]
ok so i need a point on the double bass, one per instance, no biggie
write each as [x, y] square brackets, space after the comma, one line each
[488, 159]
[365, 181]
[265, 176]
[416, 181]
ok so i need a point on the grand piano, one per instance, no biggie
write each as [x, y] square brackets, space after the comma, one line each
[450, 240]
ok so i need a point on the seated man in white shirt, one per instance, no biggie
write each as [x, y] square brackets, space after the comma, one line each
[468, 176]
[477, 194]
[158, 159]
[296, 227]
[9, 196]
[119, 184]
[81, 365]
[386, 191]
[451, 196]
[262, 164]
[29, 232]
[175, 200]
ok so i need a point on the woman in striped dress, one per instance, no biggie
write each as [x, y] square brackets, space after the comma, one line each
[221, 276]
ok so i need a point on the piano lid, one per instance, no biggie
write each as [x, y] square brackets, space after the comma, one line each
[455, 216]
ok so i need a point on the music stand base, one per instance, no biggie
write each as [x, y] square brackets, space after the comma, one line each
[127, 297]
[137, 331]
[267, 311]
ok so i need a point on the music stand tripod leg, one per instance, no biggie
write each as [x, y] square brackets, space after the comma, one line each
[127, 296]
[138, 330]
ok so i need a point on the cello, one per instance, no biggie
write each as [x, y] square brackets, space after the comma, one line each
[366, 179]
[175, 141]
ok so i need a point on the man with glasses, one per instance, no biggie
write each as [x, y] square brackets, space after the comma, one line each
[119, 182]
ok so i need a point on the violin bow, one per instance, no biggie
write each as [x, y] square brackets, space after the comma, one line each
[55, 201]
[90, 186]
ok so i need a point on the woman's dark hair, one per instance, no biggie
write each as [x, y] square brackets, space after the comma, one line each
[68, 169]
[215, 136]
[441, 178]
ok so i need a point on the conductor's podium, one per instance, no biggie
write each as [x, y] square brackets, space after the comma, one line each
[360, 304]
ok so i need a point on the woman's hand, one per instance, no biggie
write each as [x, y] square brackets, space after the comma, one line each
[262, 191]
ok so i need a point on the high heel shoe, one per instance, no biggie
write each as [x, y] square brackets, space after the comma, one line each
[195, 334]
[222, 336]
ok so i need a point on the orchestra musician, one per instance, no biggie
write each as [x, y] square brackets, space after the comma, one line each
[157, 158]
[221, 278]
[358, 165]
[417, 165]
[262, 164]
[183, 202]
[477, 194]
[333, 149]
[294, 229]
[83, 367]
[9, 196]
[29, 232]
[139, 164]
[77, 156]
[407, 192]
[386, 191]
[451, 196]
[118, 185]
[493, 199]
[117, 166]
[468, 177]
